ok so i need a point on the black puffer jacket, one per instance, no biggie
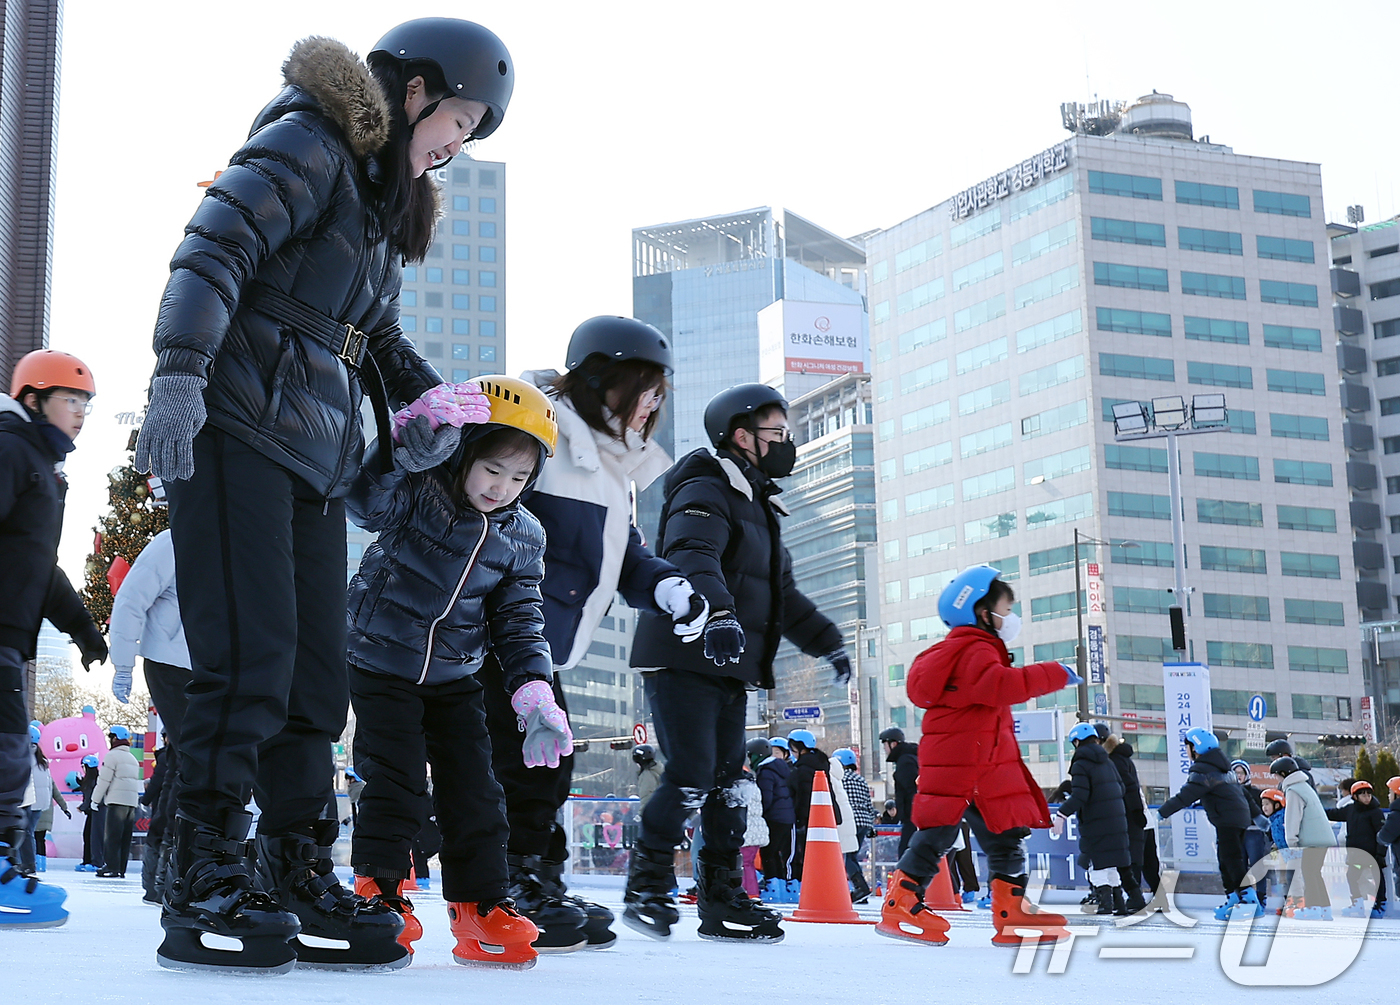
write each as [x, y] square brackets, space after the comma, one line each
[801, 779]
[1097, 797]
[905, 758]
[1121, 757]
[1211, 783]
[32, 586]
[294, 210]
[719, 526]
[772, 776]
[444, 583]
[1364, 825]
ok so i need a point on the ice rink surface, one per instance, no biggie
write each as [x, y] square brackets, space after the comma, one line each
[106, 952]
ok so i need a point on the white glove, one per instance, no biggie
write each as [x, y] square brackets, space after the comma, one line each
[1057, 826]
[121, 685]
[689, 610]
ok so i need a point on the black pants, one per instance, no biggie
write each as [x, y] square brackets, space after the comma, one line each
[167, 684]
[1151, 864]
[1005, 850]
[93, 834]
[962, 865]
[777, 853]
[1360, 886]
[1256, 846]
[260, 561]
[1229, 853]
[533, 795]
[906, 834]
[700, 729]
[399, 728]
[16, 753]
[120, 820]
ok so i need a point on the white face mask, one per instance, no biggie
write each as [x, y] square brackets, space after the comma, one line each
[1010, 626]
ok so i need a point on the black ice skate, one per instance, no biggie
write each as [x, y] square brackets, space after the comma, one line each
[297, 871]
[561, 924]
[727, 914]
[651, 877]
[214, 918]
[597, 925]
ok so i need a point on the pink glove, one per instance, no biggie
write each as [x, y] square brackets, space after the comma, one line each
[546, 727]
[450, 404]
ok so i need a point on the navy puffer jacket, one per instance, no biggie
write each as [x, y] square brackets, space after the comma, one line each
[444, 583]
[295, 210]
[1097, 796]
[772, 777]
[1211, 783]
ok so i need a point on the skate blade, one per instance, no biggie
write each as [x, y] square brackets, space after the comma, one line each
[744, 937]
[220, 967]
[1014, 940]
[607, 944]
[647, 928]
[21, 923]
[561, 950]
[901, 935]
[213, 953]
[487, 960]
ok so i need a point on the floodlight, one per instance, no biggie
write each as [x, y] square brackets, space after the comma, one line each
[1129, 417]
[1208, 410]
[1169, 412]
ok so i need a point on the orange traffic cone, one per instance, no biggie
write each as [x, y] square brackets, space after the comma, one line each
[410, 884]
[825, 896]
[940, 895]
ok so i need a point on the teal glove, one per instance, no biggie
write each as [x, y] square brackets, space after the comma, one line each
[1074, 679]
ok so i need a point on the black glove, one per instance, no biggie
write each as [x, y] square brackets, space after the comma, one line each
[91, 644]
[421, 447]
[841, 663]
[724, 638]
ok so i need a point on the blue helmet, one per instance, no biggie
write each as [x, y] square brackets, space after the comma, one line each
[778, 741]
[804, 737]
[120, 732]
[968, 587]
[846, 756]
[1083, 731]
[1202, 739]
[71, 780]
[90, 761]
[34, 734]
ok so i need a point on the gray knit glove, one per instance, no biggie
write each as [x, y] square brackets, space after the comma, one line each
[176, 412]
[420, 448]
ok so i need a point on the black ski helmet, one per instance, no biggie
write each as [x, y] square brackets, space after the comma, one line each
[758, 745]
[1279, 748]
[616, 339]
[739, 400]
[1283, 767]
[892, 735]
[474, 62]
[644, 754]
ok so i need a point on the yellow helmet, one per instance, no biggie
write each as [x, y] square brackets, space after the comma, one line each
[521, 405]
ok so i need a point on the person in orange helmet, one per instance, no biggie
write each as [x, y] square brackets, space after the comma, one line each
[50, 395]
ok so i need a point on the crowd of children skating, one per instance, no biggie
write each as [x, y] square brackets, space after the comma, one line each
[503, 514]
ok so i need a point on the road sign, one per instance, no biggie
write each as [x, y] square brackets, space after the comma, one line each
[639, 733]
[1096, 660]
[1254, 736]
[796, 713]
[1258, 708]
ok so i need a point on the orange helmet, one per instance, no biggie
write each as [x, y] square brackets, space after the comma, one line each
[45, 369]
[1275, 794]
[1360, 787]
[1394, 785]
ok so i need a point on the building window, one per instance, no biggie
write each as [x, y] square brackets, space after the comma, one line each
[486, 329]
[1141, 600]
[1230, 513]
[1233, 466]
[1298, 427]
[928, 500]
[1392, 485]
[1297, 382]
[1139, 505]
[1219, 559]
[1145, 697]
[924, 251]
[1206, 284]
[1059, 465]
[461, 326]
[1284, 249]
[1310, 518]
[434, 274]
[984, 397]
[1046, 194]
[486, 228]
[461, 277]
[461, 302]
[1294, 294]
[1133, 277]
[462, 252]
[1153, 235]
[460, 374]
[927, 334]
[1144, 649]
[1128, 458]
[981, 355]
[486, 177]
[1129, 186]
[410, 273]
[487, 305]
[408, 322]
[1386, 329]
[923, 376]
[461, 351]
[1388, 367]
[1313, 612]
[1391, 445]
[1199, 194]
[462, 228]
[919, 296]
[486, 204]
[1157, 554]
[1058, 605]
[1240, 420]
[1390, 406]
[486, 253]
[896, 672]
[1141, 367]
[1310, 566]
[988, 484]
[979, 313]
[1051, 330]
[485, 278]
[1232, 702]
[1052, 420]
[1282, 203]
[1045, 287]
[1043, 243]
[1235, 607]
[1113, 319]
[1289, 337]
[1068, 510]
[1038, 563]
[1063, 372]
[432, 299]
[927, 543]
[461, 204]
[981, 442]
[1219, 375]
[929, 415]
[1216, 330]
[1255, 655]
[461, 176]
[1321, 706]
[1055, 651]
[432, 349]
[408, 298]
[980, 225]
[1289, 472]
[432, 325]
[1216, 242]
[486, 353]
[937, 455]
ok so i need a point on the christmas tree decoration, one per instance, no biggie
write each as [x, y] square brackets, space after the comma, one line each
[134, 516]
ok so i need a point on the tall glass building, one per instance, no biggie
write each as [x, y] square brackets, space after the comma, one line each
[1128, 262]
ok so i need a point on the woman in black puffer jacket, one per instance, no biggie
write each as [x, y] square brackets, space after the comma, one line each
[282, 308]
[1097, 797]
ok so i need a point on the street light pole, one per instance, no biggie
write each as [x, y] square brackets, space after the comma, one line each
[1081, 657]
[1181, 593]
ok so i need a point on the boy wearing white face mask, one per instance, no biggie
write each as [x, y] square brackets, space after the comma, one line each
[970, 765]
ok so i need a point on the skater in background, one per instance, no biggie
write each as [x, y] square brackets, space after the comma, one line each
[772, 772]
[452, 581]
[50, 396]
[608, 403]
[1096, 798]
[1211, 783]
[1256, 835]
[46, 797]
[1282, 748]
[118, 791]
[155, 830]
[1120, 754]
[1364, 821]
[93, 818]
[1307, 832]
[280, 315]
[755, 828]
[721, 526]
[905, 758]
[1389, 837]
[970, 766]
[862, 819]
[648, 771]
[807, 760]
[146, 622]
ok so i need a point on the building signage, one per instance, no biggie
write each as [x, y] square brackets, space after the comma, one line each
[802, 712]
[742, 265]
[1096, 660]
[813, 337]
[1187, 692]
[1016, 178]
[1040, 726]
[1095, 598]
[1368, 719]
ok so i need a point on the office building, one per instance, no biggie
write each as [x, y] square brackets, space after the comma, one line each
[1129, 261]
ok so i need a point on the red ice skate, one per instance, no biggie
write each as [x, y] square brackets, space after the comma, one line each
[389, 892]
[904, 915]
[1011, 910]
[492, 933]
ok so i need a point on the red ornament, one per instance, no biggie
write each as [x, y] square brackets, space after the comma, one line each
[116, 575]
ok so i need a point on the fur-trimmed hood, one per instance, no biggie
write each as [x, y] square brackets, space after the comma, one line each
[342, 85]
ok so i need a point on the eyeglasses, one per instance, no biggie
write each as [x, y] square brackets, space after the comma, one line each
[78, 406]
[787, 433]
[651, 399]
